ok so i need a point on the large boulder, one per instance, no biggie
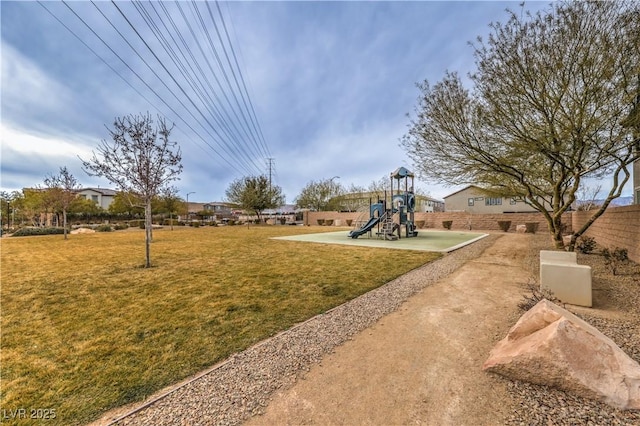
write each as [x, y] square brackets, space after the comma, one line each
[551, 346]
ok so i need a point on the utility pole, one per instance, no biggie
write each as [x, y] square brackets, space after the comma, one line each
[270, 162]
[188, 193]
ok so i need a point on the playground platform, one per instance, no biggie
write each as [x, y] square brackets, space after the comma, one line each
[427, 240]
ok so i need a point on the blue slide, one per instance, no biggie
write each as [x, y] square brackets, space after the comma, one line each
[366, 228]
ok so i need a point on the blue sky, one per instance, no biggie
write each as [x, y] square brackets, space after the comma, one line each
[330, 83]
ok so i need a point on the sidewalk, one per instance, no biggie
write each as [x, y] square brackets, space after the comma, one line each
[420, 364]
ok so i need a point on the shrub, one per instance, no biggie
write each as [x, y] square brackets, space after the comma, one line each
[120, 226]
[104, 228]
[213, 223]
[586, 245]
[531, 227]
[537, 294]
[615, 259]
[231, 222]
[504, 225]
[447, 224]
[28, 232]
[195, 224]
[141, 226]
[283, 220]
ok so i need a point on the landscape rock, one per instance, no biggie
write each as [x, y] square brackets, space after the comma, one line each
[551, 346]
[83, 231]
[521, 229]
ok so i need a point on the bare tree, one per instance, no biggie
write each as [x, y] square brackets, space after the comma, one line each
[63, 190]
[587, 197]
[140, 159]
[554, 101]
[380, 187]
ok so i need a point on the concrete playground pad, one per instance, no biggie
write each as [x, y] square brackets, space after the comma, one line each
[427, 240]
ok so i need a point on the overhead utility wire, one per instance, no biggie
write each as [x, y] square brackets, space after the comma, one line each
[97, 55]
[233, 52]
[221, 67]
[166, 70]
[219, 106]
[169, 74]
[137, 75]
[238, 150]
[251, 135]
[211, 104]
[235, 78]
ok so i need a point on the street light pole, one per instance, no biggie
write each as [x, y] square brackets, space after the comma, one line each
[188, 193]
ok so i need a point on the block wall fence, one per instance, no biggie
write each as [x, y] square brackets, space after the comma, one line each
[461, 220]
[617, 227]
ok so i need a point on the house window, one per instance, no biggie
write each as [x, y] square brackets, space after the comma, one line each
[512, 201]
[488, 201]
[470, 201]
[94, 198]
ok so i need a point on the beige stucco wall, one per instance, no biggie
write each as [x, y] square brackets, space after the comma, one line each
[617, 227]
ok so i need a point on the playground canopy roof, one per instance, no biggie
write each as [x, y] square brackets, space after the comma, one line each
[401, 172]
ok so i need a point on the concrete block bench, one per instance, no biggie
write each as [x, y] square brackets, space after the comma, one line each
[569, 282]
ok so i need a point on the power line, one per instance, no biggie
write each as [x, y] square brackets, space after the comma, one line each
[241, 139]
[253, 115]
[127, 65]
[187, 71]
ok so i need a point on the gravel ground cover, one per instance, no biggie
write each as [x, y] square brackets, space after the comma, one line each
[242, 385]
[616, 314]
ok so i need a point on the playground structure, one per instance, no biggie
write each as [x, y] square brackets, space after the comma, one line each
[390, 219]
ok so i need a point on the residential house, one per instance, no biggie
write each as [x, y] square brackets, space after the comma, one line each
[473, 199]
[217, 210]
[103, 197]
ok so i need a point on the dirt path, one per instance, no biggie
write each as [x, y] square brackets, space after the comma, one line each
[422, 363]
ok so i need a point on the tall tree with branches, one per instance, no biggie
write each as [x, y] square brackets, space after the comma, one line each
[554, 101]
[170, 202]
[140, 159]
[254, 193]
[63, 190]
[321, 195]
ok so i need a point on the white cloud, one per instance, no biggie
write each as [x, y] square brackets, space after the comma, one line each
[26, 88]
[26, 143]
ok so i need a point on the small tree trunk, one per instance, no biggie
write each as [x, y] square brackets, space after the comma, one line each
[147, 231]
[64, 222]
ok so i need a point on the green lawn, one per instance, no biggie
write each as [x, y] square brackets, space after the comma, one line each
[85, 328]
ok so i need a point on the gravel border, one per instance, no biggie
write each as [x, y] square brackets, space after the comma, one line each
[241, 386]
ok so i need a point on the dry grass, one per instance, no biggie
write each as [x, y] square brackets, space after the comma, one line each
[86, 329]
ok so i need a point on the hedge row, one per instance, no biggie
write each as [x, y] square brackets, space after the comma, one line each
[27, 232]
